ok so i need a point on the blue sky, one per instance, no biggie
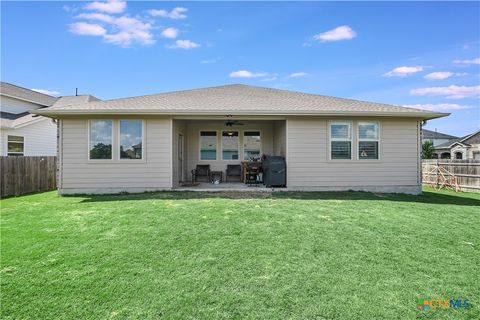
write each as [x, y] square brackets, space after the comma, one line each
[424, 54]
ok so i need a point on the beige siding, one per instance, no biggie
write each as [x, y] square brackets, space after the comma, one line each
[309, 165]
[100, 176]
[193, 150]
[280, 138]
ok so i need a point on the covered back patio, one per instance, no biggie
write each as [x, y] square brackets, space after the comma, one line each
[215, 153]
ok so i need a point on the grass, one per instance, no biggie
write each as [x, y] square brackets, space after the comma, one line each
[349, 255]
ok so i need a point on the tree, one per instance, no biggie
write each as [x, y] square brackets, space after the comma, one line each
[101, 151]
[427, 150]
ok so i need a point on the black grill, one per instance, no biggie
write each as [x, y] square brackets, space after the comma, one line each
[274, 171]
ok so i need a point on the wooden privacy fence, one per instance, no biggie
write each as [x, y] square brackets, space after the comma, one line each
[21, 175]
[460, 175]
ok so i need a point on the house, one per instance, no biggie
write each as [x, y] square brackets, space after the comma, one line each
[467, 147]
[153, 142]
[22, 133]
[436, 137]
[26, 134]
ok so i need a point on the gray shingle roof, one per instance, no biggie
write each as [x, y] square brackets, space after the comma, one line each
[11, 120]
[74, 100]
[14, 91]
[12, 116]
[429, 134]
[459, 140]
[448, 143]
[237, 100]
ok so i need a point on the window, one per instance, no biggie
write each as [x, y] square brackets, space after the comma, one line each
[15, 145]
[367, 140]
[251, 145]
[208, 145]
[131, 137]
[340, 140]
[230, 145]
[100, 139]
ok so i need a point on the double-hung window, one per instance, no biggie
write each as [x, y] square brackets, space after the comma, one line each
[131, 139]
[230, 145]
[15, 145]
[251, 145]
[368, 140]
[100, 144]
[340, 140]
[208, 145]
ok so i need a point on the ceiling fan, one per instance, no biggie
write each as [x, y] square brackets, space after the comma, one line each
[231, 123]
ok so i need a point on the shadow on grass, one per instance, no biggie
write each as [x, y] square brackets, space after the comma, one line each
[432, 197]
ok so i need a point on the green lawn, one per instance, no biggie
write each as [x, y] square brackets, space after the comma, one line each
[349, 255]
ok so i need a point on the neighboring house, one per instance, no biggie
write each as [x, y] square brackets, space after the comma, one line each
[22, 133]
[26, 134]
[152, 142]
[467, 148]
[436, 137]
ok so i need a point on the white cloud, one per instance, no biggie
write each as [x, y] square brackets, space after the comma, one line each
[439, 106]
[123, 31]
[451, 92]
[170, 33]
[45, 91]
[297, 74]
[176, 13]
[337, 34]
[110, 6]
[96, 16]
[130, 31]
[438, 75]
[472, 61]
[403, 71]
[184, 44]
[441, 75]
[87, 29]
[247, 74]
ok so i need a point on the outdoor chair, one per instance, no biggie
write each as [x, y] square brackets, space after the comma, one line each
[233, 170]
[201, 171]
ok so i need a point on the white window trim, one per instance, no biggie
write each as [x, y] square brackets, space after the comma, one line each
[377, 140]
[119, 143]
[330, 139]
[15, 153]
[88, 141]
[243, 142]
[200, 144]
[238, 145]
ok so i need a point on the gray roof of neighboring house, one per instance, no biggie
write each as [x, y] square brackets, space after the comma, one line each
[461, 140]
[238, 99]
[429, 134]
[448, 143]
[12, 120]
[12, 116]
[11, 90]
